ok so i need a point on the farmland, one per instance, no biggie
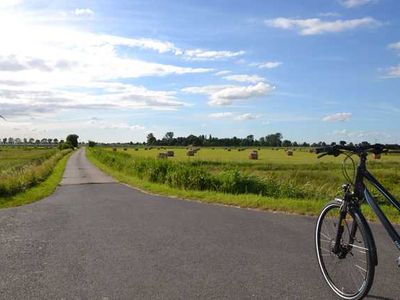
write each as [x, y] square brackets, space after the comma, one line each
[24, 167]
[301, 177]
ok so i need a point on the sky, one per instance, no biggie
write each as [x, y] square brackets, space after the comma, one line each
[114, 71]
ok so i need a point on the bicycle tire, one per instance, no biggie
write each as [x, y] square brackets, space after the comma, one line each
[324, 246]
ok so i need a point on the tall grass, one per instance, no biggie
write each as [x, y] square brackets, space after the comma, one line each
[194, 175]
[19, 177]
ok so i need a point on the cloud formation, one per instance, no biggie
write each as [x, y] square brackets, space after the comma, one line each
[269, 65]
[224, 95]
[233, 116]
[315, 26]
[245, 78]
[83, 12]
[355, 3]
[338, 117]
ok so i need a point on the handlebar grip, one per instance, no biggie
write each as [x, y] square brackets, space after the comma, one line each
[323, 149]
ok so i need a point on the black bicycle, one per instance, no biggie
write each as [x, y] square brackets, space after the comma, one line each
[344, 243]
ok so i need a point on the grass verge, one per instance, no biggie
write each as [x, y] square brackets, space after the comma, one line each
[40, 191]
[287, 205]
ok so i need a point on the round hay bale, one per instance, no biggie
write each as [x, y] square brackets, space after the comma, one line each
[289, 153]
[170, 153]
[125, 149]
[190, 153]
[115, 149]
[136, 149]
[253, 155]
[162, 155]
[377, 156]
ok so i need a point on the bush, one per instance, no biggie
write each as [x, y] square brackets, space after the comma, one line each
[65, 145]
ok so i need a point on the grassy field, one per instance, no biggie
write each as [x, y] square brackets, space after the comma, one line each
[23, 168]
[299, 183]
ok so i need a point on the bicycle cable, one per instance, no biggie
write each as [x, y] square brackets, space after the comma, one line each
[345, 171]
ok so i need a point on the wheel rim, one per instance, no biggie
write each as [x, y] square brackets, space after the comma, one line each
[347, 271]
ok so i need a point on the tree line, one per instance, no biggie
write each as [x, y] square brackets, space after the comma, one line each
[70, 141]
[270, 140]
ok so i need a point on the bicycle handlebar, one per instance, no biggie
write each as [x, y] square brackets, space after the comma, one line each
[336, 150]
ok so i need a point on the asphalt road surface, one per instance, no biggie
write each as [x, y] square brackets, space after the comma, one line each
[97, 239]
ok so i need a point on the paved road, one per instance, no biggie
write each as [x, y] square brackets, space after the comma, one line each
[97, 239]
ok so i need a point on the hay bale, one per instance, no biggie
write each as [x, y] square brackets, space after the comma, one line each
[125, 149]
[229, 149]
[190, 153]
[162, 155]
[289, 153]
[253, 155]
[136, 149]
[377, 156]
[115, 149]
[170, 153]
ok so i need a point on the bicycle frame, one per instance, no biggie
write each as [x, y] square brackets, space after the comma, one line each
[361, 191]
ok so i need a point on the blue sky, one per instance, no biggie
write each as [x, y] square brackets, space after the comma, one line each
[117, 70]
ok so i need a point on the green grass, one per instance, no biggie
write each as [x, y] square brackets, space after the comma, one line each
[23, 168]
[40, 191]
[126, 167]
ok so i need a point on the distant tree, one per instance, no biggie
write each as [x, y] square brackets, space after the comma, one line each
[286, 143]
[274, 140]
[92, 143]
[31, 141]
[11, 140]
[55, 141]
[342, 143]
[49, 141]
[72, 139]
[151, 140]
[169, 135]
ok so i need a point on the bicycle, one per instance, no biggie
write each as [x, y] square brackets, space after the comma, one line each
[345, 246]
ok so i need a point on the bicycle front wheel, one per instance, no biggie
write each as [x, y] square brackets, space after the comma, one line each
[348, 269]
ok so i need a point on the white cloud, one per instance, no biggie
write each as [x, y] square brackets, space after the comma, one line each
[199, 54]
[317, 26]
[269, 65]
[395, 46]
[330, 14]
[221, 115]
[245, 78]
[222, 73]
[355, 3]
[228, 95]
[83, 12]
[392, 72]
[205, 90]
[246, 117]
[103, 124]
[10, 3]
[343, 116]
[233, 116]
[223, 95]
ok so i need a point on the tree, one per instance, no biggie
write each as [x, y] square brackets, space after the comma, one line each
[273, 140]
[92, 143]
[73, 140]
[286, 143]
[151, 140]
[169, 135]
